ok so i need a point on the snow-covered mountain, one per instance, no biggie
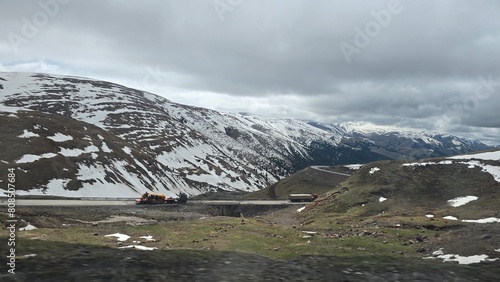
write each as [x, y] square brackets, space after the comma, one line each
[72, 136]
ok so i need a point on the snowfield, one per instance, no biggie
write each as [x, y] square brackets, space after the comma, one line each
[492, 156]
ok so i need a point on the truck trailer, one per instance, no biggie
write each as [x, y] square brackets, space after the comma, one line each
[152, 199]
[302, 197]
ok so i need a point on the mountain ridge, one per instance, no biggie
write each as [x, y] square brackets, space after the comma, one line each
[179, 148]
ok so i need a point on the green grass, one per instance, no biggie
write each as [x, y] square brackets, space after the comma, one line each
[305, 181]
[412, 191]
[254, 235]
[349, 219]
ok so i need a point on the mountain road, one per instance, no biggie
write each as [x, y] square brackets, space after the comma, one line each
[321, 168]
[125, 202]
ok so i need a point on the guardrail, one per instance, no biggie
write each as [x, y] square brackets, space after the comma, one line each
[105, 199]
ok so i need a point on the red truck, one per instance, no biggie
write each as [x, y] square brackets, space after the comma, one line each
[152, 199]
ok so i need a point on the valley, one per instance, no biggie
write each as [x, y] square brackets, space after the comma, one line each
[189, 242]
[73, 136]
[378, 224]
[393, 205]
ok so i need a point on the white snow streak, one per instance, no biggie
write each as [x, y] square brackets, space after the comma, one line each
[59, 137]
[301, 209]
[466, 259]
[28, 158]
[120, 237]
[144, 248]
[492, 156]
[354, 166]
[28, 227]
[28, 134]
[148, 238]
[483, 220]
[460, 201]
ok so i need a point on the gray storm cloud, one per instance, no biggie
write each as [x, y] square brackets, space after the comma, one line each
[406, 63]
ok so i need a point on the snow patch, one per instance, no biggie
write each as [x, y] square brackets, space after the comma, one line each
[28, 227]
[466, 259]
[429, 215]
[144, 248]
[28, 134]
[483, 220]
[78, 152]
[105, 148]
[8, 109]
[449, 217]
[460, 259]
[429, 163]
[120, 237]
[28, 158]
[438, 252]
[493, 170]
[59, 137]
[301, 209]
[127, 150]
[382, 199]
[374, 169]
[491, 156]
[148, 238]
[460, 201]
[354, 166]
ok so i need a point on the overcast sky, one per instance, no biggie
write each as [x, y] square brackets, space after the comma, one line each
[432, 65]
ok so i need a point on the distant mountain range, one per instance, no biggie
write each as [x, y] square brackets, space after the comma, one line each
[72, 136]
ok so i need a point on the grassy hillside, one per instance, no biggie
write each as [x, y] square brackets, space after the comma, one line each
[349, 227]
[308, 180]
[414, 190]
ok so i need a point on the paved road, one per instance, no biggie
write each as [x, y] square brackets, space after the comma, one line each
[126, 202]
[246, 202]
[320, 168]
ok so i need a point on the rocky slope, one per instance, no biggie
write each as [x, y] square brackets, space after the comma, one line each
[72, 136]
